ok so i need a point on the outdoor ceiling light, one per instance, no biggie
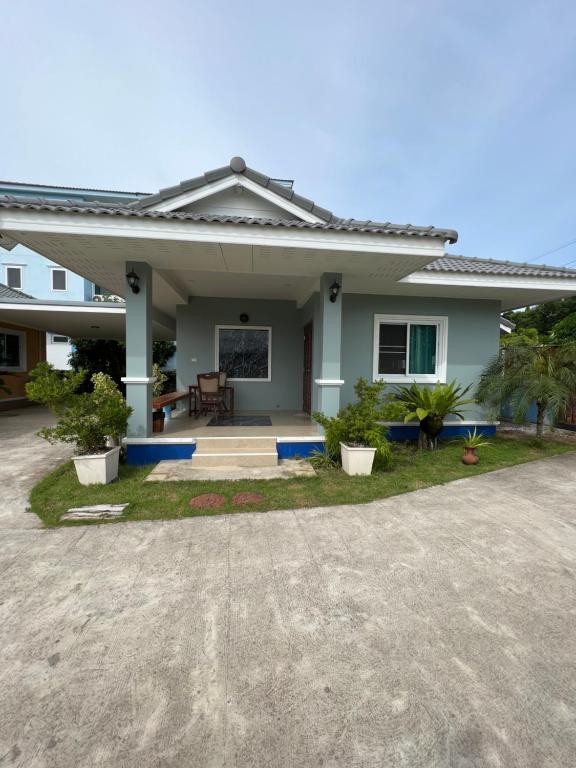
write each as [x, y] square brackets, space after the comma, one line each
[334, 291]
[133, 281]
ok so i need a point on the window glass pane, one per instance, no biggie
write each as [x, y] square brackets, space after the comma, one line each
[14, 277]
[58, 280]
[423, 349]
[60, 339]
[243, 353]
[392, 349]
[9, 350]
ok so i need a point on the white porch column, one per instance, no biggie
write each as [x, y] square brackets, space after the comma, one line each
[329, 381]
[138, 377]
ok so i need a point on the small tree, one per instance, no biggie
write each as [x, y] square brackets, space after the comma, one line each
[564, 332]
[523, 375]
[109, 356]
[88, 419]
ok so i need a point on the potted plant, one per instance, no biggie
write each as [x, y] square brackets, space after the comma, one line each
[471, 442]
[431, 406]
[356, 436]
[158, 415]
[94, 421]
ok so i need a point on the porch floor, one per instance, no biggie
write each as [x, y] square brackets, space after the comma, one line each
[284, 424]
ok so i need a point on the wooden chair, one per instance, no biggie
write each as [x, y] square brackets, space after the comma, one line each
[222, 376]
[210, 396]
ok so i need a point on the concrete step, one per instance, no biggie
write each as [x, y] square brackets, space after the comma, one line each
[235, 445]
[235, 459]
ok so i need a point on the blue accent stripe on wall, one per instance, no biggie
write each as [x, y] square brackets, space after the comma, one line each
[151, 453]
[301, 450]
[411, 431]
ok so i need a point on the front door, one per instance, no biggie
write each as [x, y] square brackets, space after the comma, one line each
[307, 383]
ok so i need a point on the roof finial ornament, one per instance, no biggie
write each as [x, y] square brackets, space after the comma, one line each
[238, 165]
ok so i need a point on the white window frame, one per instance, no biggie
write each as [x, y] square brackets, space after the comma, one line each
[441, 323]
[20, 268]
[58, 269]
[243, 328]
[23, 367]
[61, 335]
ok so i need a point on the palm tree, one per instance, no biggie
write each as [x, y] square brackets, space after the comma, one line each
[523, 375]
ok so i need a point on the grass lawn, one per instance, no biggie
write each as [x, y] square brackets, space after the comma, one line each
[411, 470]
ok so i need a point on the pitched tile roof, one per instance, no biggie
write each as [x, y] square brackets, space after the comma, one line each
[237, 167]
[103, 208]
[469, 264]
[11, 293]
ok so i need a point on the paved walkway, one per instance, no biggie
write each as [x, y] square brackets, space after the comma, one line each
[433, 629]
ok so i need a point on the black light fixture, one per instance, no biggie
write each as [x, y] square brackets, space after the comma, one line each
[133, 281]
[334, 291]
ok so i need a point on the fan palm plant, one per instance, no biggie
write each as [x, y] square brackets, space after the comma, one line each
[523, 375]
[431, 406]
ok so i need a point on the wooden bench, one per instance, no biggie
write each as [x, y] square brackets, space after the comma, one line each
[169, 399]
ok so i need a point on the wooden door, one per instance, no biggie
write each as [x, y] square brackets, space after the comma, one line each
[307, 383]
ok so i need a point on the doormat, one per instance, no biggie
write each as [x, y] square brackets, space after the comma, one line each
[240, 421]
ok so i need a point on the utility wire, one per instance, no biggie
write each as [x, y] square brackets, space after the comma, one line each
[554, 250]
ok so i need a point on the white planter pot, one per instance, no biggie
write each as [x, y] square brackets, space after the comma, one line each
[357, 460]
[99, 468]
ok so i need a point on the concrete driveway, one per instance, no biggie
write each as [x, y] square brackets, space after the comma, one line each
[432, 629]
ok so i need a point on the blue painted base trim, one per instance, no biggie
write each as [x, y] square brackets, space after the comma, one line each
[302, 450]
[152, 453]
[411, 431]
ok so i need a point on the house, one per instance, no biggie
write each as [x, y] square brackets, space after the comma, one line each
[21, 349]
[25, 270]
[294, 302]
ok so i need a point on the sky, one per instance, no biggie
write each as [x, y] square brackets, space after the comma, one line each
[456, 114]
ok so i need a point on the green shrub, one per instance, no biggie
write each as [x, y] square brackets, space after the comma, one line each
[88, 420]
[359, 423]
[431, 406]
[53, 388]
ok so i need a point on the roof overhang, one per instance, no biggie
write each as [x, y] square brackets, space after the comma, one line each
[250, 261]
[513, 291]
[78, 319]
[273, 260]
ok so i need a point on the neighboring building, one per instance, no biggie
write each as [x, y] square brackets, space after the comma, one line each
[22, 269]
[21, 349]
[293, 302]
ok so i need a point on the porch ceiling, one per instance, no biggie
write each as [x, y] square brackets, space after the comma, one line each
[184, 268]
[77, 319]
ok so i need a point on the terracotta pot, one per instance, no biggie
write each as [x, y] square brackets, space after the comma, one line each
[470, 456]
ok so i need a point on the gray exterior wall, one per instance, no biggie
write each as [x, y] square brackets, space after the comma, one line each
[473, 338]
[473, 335]
[196, 323]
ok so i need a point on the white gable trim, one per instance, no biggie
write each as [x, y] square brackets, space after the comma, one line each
[186, 198]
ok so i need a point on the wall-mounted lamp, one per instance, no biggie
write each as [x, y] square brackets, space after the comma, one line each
[334, 291]
[133, 281]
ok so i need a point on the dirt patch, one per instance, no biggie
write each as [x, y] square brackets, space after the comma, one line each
[247, 498]
[207, 501]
